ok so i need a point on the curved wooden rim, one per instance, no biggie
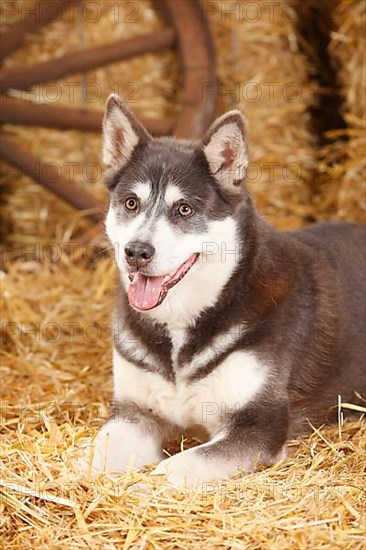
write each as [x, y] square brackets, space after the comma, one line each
[198, 60]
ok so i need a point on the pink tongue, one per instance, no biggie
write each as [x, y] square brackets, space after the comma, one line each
[144, 292]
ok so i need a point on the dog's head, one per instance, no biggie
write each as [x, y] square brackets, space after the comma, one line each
[174, 211]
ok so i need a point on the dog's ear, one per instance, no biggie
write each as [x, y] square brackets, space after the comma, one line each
[122, 133]
[225, 149]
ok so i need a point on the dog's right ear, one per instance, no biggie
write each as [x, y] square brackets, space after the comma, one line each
[122, 133]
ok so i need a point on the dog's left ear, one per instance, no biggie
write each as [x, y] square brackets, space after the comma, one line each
[122, 133]
[225, 149]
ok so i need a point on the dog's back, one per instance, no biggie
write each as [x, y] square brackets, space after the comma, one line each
[343, 247]
[339, 256]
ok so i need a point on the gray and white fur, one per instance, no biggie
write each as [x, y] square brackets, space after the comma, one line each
[228, 329]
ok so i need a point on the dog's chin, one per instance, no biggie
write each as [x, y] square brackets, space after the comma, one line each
[146, 292]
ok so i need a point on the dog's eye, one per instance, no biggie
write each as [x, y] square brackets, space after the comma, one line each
[185, 210]
[131, 204]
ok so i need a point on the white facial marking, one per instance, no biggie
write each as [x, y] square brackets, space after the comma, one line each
[142, 190]
[201, 286]
[120, 234]
[173, 194]
[205, 402]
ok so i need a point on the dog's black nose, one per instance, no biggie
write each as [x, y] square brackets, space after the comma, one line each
[139, 254]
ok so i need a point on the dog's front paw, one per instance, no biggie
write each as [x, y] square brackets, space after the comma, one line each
[120, 446]
[190, 468]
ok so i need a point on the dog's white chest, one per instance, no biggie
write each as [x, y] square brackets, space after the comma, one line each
[204, 402]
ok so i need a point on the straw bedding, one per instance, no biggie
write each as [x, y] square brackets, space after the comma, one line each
[56, 341]
[56, 385]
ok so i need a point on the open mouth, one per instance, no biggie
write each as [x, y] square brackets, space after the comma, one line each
[147, 292]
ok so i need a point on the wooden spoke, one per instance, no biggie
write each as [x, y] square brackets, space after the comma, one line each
[92, 58]
[18, 111]
[198, 60]
[50, 176]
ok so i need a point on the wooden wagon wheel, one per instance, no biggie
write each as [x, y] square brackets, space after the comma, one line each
[187, 30]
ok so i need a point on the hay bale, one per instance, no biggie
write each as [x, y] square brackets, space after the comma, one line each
[343, 163]
[348, 48]
[262, 72]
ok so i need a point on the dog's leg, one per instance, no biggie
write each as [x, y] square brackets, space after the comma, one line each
[253, 436]
[129, 439]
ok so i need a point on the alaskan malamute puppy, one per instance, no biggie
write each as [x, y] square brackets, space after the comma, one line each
[226, 327]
